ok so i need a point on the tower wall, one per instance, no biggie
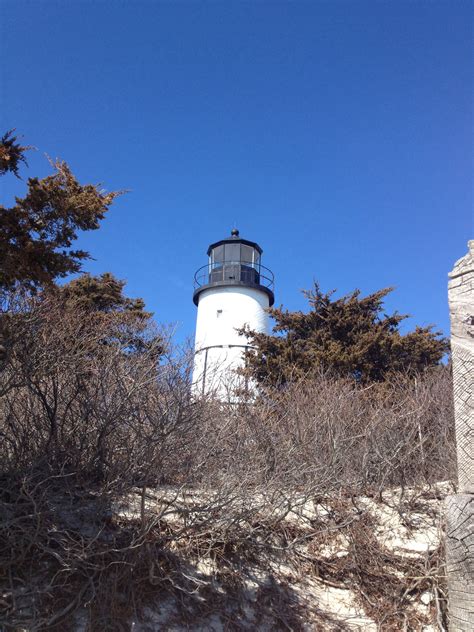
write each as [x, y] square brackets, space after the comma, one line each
[218, 347]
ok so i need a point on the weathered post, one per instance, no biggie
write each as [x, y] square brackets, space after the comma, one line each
[460, 506]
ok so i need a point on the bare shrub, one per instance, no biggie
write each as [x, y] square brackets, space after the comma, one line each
[116, 483]
[364, 438]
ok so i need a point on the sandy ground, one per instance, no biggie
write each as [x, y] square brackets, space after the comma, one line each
[410, 535]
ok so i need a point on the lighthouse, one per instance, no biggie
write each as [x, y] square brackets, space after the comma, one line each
[232, 290]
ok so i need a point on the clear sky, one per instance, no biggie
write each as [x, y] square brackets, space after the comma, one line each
[336, 134]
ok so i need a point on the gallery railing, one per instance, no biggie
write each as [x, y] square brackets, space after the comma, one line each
[236, 272]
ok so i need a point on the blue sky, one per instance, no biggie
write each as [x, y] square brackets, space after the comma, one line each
[336, 134]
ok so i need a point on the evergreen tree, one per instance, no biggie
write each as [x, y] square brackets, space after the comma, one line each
[11, 154]
[348, 336]
[105, 307]
[37, 232]
[36, 237]
[103, 293]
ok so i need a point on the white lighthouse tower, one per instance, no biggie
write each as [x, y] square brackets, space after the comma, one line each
[232, 290]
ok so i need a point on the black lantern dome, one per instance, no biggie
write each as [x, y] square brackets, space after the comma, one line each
[234, 261]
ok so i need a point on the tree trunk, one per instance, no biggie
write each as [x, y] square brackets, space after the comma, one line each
[460, 507]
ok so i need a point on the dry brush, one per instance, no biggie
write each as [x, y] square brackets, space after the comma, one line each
[120, 492]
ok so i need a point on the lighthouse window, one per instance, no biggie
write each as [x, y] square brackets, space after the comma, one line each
[247, 254]
[218, 254]
[232, 252]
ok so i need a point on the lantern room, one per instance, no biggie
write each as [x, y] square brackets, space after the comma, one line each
[234, 261]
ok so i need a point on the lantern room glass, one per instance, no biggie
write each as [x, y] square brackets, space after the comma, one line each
[234, 253]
